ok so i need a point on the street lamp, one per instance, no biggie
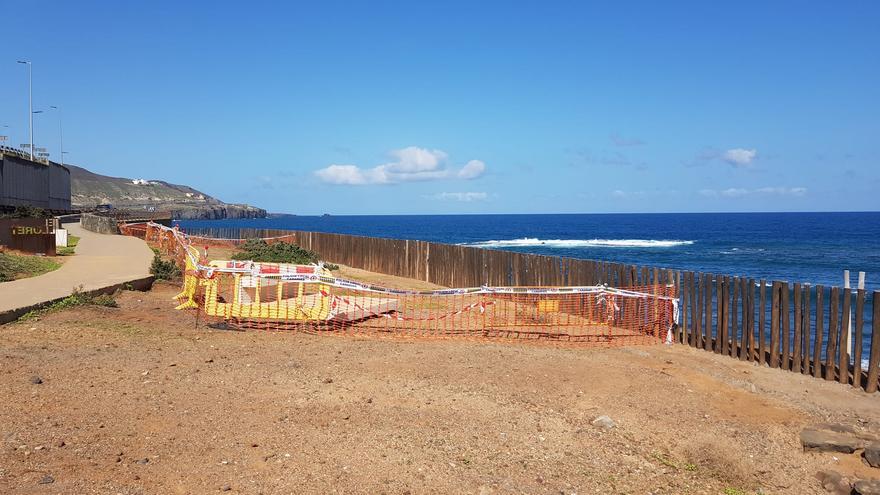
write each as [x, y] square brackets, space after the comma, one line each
[30, 100]
[60, 134]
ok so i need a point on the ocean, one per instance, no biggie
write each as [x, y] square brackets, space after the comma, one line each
[797, 247]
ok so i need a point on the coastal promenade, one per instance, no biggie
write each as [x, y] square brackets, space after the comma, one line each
[101, 261]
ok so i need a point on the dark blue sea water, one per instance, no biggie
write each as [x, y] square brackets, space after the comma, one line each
[796, 247]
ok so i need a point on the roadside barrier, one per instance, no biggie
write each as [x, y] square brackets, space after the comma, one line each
[274, 296]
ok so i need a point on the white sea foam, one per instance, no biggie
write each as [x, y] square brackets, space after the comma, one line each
[577, 243]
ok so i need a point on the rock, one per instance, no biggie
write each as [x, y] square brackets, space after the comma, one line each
[60, 443]
[46, 480]
[830, 441]
[143, 461]
[36, 380]
[328, 380]
[225, 488]
[834, 482]
[839, 428]
[604, 422]
[867, 487]
[872, 454]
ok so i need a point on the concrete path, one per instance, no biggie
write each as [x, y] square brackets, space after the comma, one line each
[100, 261]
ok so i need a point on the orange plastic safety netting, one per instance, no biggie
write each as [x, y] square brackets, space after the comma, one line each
[251, 295]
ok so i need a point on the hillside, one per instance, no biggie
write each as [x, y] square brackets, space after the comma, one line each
[89, 189]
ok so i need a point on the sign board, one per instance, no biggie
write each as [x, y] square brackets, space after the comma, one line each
[4, 138]
[42, 154]
[24, 145]
[29, 235]
[61, 237]
[40, 149]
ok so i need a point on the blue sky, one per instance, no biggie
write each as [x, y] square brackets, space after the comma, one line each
[462, 107]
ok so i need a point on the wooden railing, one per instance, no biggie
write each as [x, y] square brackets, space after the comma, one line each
[791, 326]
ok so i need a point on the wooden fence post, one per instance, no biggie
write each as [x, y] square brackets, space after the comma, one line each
[874, 360]
[805, 327]
[820, 331]
[774, 326]
[831, 352]
[707, 297]
[762, 317]
[785, 329]
[796, 356]
[857, 338]
[843, 361]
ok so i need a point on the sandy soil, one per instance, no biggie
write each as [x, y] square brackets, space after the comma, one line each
[140, 400]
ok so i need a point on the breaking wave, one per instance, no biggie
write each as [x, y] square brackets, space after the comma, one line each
[578, 243]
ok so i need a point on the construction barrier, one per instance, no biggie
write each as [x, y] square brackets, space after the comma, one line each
[254, 295]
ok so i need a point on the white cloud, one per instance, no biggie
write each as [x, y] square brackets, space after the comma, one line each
[349, 174]
[411, 164]
[472, 170]
[737, 192]
[460, 196]
[783, 191]
[413, 160]
[739, 157]
[734, 192]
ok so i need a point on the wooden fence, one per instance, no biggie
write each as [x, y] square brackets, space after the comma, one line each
[795, 327]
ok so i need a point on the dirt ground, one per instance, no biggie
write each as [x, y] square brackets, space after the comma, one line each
[137, 399]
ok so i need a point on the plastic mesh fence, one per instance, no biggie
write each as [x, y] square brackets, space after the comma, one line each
[277, 296]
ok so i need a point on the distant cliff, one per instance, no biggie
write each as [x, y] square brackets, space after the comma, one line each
[89, 189]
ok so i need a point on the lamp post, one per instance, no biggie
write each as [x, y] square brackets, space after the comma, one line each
[30, 100]
[60, 134]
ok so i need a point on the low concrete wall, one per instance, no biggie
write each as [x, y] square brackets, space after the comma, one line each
[99, 224]
[140, 284]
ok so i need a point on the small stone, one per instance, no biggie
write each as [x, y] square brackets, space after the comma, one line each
[370, 400]
[604, 422]
[872, 454]
[46, 480]
[867, 487]
[328, 380]
[829, 441]
[225, 488]
[36, 380]
[209, 360]
[834, 482]
[143, 461]
[60, 443]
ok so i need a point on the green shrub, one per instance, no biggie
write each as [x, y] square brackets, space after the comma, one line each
[164, 269]
[68, 250]
[27, 212]
[279, 252]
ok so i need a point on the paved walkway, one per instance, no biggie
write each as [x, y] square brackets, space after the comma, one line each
[100, 261]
